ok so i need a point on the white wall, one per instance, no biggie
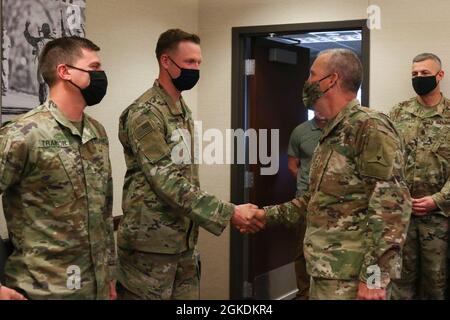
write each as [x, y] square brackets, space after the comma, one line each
[409, 27]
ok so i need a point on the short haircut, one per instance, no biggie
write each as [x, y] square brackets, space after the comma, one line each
[347, 64]
[64, 50]
[169, 40]
[428, 56]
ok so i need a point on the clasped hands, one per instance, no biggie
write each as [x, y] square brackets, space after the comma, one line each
[247, 218]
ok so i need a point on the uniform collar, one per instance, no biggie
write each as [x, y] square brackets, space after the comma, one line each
[175, 109]
[348, 109]
[422, 111]
[89, 131]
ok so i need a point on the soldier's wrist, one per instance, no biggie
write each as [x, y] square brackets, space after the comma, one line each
[440, 202]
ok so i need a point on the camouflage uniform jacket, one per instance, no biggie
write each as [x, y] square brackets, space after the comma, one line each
[57, 199]
[162, 202]
[358, 206]
[426, 132]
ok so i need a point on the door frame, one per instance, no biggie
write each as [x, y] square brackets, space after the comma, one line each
[239, 286]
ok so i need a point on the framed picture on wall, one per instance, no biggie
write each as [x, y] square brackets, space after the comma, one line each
[27, 25]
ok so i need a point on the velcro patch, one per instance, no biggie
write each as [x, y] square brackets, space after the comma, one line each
[377, 160]
[53, 144]
[143, 129]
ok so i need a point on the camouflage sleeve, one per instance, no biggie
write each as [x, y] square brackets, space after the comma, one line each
[442, 198]
[13, 155]
[147, 139]
[109, 222]
[288, 213]
[380, 164]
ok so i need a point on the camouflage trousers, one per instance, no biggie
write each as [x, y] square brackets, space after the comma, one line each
[328, 289]
[424, 272]
[152, 276]
[303, 279]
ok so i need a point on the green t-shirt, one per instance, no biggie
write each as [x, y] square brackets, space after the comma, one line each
[303, 142]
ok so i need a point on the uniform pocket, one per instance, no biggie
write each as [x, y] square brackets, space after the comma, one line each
[64, 184]
[338, 177]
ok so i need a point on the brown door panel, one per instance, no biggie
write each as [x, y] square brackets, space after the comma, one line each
[275, 103]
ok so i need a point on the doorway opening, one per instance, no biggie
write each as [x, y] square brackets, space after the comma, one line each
[270, 67]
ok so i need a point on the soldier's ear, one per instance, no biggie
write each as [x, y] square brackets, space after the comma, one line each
[164, 61]
[63, 72]
[334, 79]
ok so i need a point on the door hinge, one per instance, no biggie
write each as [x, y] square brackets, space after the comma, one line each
[247, 290]
[249, 67]
[249, 179]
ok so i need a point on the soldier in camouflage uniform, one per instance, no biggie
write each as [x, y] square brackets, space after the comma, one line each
[424, 123]
[163, 204]
[357, 207]
[55, 176]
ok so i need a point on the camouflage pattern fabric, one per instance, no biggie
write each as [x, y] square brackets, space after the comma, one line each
[154, 276]
[358, 206]
[326, 289]
[426, 134]
[163, 204]
[57, 198]
[425, 271]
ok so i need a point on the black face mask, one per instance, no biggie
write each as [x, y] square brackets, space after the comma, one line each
[187, 80]
[424, 85]
[97, 87]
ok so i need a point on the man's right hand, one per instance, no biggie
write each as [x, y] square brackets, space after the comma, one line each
[10, 294]
[423, 206]
[245, 218]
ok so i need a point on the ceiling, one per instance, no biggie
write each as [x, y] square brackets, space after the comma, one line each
[318, 41]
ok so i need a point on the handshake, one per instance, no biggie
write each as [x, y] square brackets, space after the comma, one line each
[247, 218]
